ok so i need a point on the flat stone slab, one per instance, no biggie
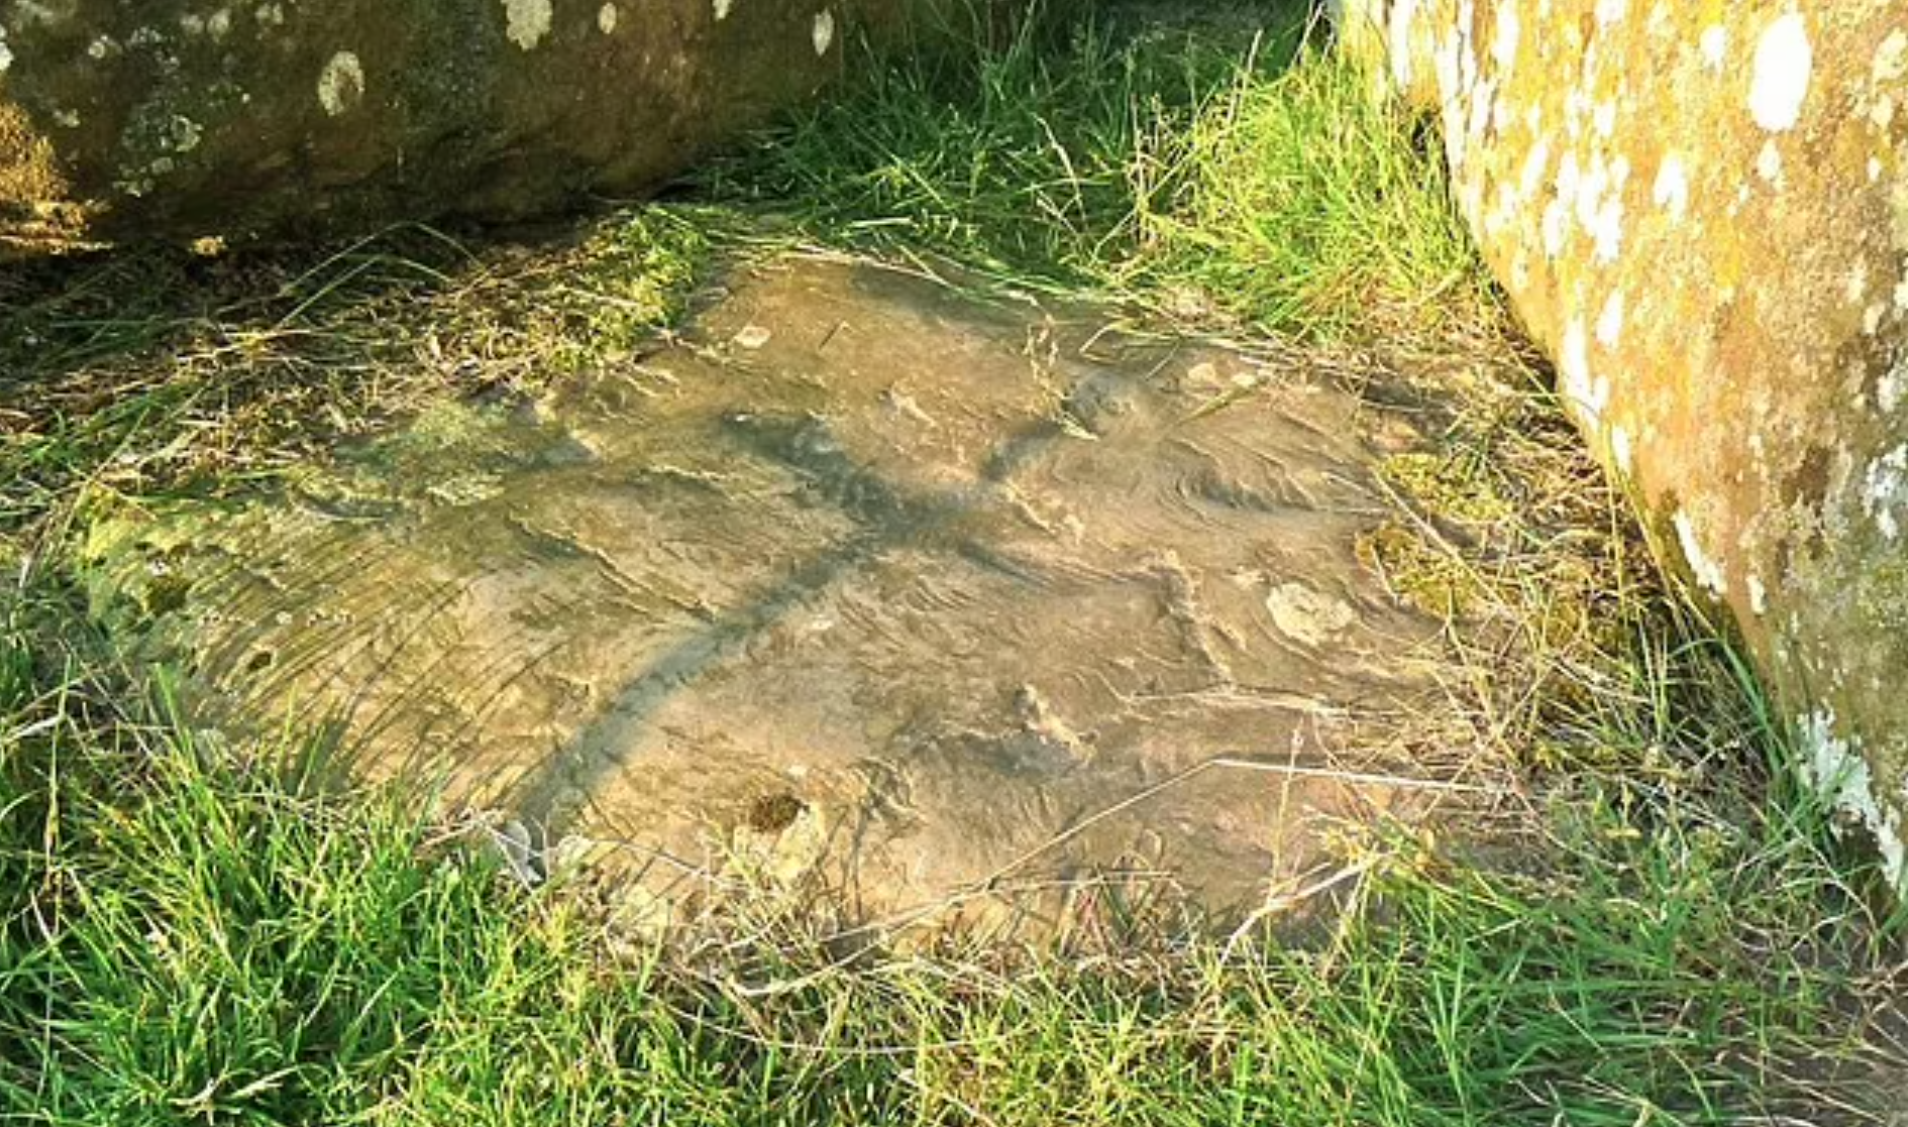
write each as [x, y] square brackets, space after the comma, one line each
[859, 580]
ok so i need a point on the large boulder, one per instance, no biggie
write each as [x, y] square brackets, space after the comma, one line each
[183, 118]
[1701, 209]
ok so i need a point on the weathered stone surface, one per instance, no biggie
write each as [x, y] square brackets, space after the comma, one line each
[858, 581]
[188, 118]
[1701, 208]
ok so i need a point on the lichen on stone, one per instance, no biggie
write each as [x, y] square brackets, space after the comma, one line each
[341, 83]
[527, 22]
[1783, 64]
[1731, 329]
[1834, 768]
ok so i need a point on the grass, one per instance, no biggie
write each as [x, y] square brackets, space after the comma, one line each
[158, 371]
[201, 932]
[1193, 160]
[1657, 927]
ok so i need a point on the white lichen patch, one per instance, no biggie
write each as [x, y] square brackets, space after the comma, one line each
[1620, 451]
[1590, 186]
[182, 134]
[526, 22]
[1885, 489]
[1769, 163]
[1467, 25]
[1480, 119]
[1713, 44]
[1569, 177]
[1889, 387]
[1833, 767]
[1587, 393]
[1708, 572]
[606, 19]
[1657, 23]
[1890, 64]
[1855, 288]
[341, 83]
[1504, 46]
[1783, 64]
[1555, 217]
[1398, 41]
[1610, 321]
[1671, 190]
[6, 54]
[1604, 118]
[822, 35]
[722, 9]
[1608, 229]
[1536, 163]
[46, 13]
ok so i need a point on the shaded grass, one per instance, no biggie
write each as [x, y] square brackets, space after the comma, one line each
[159, 371]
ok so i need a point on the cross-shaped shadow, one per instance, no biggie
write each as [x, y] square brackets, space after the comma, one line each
[887, 517]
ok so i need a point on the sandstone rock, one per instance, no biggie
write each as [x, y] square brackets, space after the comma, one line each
[1701, 209]
[856, 584]
[189, 118]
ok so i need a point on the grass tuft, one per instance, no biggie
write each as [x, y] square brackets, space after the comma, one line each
[1218, 161]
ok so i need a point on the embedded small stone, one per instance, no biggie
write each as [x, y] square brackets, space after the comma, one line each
[1306, 616]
